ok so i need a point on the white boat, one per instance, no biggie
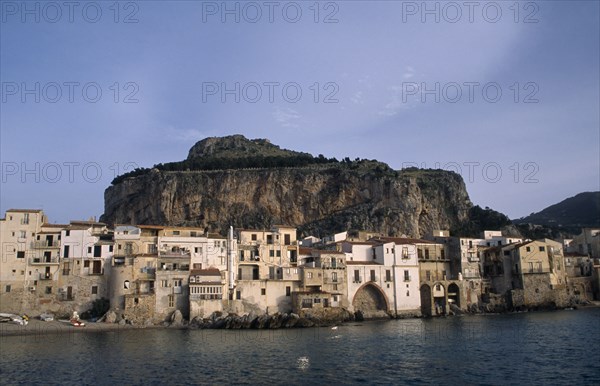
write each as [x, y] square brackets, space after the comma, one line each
[13, 318]
[47, 317]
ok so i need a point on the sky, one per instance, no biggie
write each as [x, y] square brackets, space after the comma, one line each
[505, 93]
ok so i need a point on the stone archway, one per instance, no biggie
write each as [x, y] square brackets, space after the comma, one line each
[370, 301]
[439, 299]
[426, 304]
[454, 295]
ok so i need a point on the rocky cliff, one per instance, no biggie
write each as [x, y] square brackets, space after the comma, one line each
[258, 186]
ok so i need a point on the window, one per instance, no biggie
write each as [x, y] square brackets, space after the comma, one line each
[175, 233]
[309, 275]
[110, 248]
[263, 291]
[406, 275]
[253, 236]
[426, 253]
[25, 218]
[528, 249]
[334, 277]
[419, 253]
[193, 234]
[438, 287]
[388, 275]
[22, 234]
[171, 301]
[317, 300]
[271, 253]
[542, 249]
[89, 249]
[48, 290]
[372, 275]
[356, 276]
[126, 284]
[287, 239]
[428, 275]
[94, 290]
[443, 252]
[269, 239]
[238, 295]
[67, 233]
[164, 283]
[307, 303]
[177, 282]
[20, 254]
[7, 288]
[288, 291]
[278, 253]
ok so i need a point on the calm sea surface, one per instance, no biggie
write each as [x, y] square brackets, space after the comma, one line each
[543, 348]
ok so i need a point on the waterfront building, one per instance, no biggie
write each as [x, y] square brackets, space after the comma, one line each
[85, 264]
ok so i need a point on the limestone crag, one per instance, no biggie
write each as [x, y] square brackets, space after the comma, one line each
[319, 198]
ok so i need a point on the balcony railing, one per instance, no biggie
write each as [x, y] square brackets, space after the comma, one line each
[43, 260]
[41, 244]
[184, 254]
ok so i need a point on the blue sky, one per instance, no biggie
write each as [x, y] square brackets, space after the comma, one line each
[405, 83]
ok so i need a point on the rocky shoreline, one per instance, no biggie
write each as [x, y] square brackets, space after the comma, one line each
[219, 320]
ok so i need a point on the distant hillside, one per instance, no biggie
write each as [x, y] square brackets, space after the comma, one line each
[582, 210]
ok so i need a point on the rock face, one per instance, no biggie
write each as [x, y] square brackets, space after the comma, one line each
[318, 198]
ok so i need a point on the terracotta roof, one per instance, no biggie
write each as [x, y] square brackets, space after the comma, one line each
[359, 242]
[146, 226]
[46, 225]
[403, 240]
[305, 251]
[352, 262]
[327, 252]
[206, 272]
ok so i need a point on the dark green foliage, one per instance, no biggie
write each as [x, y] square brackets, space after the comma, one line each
[481, 219]
[99, 308]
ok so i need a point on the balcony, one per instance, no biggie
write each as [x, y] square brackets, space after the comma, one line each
[43, 260]
[43, 244]
[407, 278]
[357, 279]
[46, 276]
[174, 254]
[174, 267]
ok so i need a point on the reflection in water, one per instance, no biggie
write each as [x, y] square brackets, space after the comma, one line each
[529, 348]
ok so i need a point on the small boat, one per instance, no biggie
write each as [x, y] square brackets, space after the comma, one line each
[47, 317]
[334, 327]
[13, 318]
[75, 321]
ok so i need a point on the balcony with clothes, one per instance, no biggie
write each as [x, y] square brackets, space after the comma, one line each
[174, 252]
[181, 265]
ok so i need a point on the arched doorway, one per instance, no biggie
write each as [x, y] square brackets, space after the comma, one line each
[370, 301]
[439, 299]
[426, 305]
[454, 295]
